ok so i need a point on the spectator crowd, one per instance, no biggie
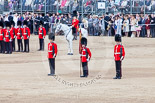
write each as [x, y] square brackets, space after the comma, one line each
[138, 25]
[63, 6]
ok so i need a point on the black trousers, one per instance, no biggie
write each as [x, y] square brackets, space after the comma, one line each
[118, 68]
[85, 68]
[143, 32]
[2, 49]
[52, 65]
[13, 45]
[20, 44]
[8, 47]
[26, 45]
[74, 32]
[41, 41]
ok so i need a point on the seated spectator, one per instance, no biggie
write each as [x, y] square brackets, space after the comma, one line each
[153, 5]
[88, 5]
[63, 2]
[111, 6]
[123, 5]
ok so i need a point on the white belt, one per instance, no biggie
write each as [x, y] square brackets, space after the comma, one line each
[50, 51]
[25, 33]
[83, 55]
[6, 36]
[40, 33]
[1, 34]
[18, 33]
[117, 53]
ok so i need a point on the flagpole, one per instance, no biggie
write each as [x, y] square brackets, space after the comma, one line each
[80, 49]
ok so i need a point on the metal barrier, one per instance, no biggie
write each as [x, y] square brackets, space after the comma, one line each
[130, 6]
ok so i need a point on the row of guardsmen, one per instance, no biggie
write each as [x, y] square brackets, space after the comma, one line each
[10, 33]
[85, 56]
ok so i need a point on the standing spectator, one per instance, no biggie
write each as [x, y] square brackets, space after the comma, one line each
[138, 29]
[90, 25]
[85, 22]
[10, 18]
[115, 24]
[46, 20]
[95, 25]
[52, 19]
[148, 21]
[15, 19]
[152, 26]
[103, 25]
[30, 24]
[133, 22]
[69, 19]
[126, 25]
[143, 28]
[119, 26]
[107, 19]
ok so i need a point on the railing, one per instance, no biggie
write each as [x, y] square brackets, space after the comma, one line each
[132, 7]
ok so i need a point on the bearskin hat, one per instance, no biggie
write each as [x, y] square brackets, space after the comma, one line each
[84, 41]
[118, 38]
[19, 23]
[8, 24]
[51, 36]
[75, 13]
[12, 23]
[41, 22]
[1, 24]
[25, 22]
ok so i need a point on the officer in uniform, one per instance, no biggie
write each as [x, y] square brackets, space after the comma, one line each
[13, 35]
[42, 34]
[52, 53]
[75, 25]
[119, 54]
[19, 35]
[1, 37]
[85, 56]
[7, 38]
[26, 36]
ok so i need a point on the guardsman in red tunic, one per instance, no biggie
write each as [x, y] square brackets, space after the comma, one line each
[75, 25]
[119, 54]
[42, 34]
[13, 36]
[85, 56]
[52, 53]
[26, 36]
[7, 38]
[1, 38]
[19, 35]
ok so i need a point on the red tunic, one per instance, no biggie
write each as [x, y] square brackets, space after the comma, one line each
[7, 35]
[19, 33]
[1, 34]
[52, 50]
[42, 32]
[26, 33]
[75, 23]
[14, 30]
[117, 53]
[147, 22]
[84, 55]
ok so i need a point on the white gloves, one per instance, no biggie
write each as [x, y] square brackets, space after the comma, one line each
[54, 56]
[122, 58]
[88, 60]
